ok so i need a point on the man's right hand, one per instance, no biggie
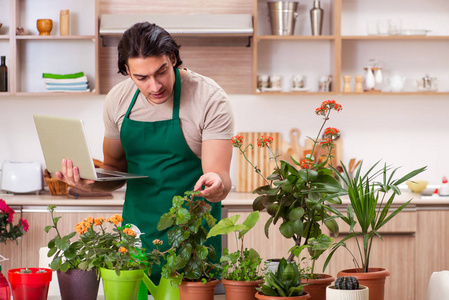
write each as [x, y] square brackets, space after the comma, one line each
[71, 175]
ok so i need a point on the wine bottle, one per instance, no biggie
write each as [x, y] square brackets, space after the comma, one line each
[3, 75]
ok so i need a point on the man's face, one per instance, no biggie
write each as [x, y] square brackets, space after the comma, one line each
[154, 76]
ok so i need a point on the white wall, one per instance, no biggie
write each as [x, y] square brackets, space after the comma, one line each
[407, 131]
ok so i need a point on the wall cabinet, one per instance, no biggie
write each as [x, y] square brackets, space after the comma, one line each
[29, 55]
[345, 48]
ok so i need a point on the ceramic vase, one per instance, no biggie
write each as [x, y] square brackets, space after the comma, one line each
[44, 26]
[362, 293]
[316, 287]
[197, 290]
[374, 279]
[33, 286]
[78, 284]
[241, 290]
[121, 287]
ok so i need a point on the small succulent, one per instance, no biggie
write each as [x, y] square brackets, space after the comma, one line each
[347, 283]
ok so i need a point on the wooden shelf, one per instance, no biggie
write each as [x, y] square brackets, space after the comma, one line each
[295, 37]
[395, 37]
[55, 37]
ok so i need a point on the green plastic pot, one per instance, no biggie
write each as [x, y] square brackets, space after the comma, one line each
[126, 286]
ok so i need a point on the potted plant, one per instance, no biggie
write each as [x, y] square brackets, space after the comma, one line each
[347, 288]
[190, 261]
[74, 282]
[285, 283]
[9, 231]
[315, 284]
[242, 271]
[370, 208]
[296, 196]
[30, 283]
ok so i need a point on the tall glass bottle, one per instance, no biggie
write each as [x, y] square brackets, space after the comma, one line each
[5, 292]
[316, 18]
[3, 75]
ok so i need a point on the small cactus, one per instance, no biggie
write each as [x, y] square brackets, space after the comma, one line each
[347, 283]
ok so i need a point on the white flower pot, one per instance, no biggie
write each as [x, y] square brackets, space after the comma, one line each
[335, 294]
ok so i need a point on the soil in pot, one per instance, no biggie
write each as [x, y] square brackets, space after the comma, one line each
[374, 280]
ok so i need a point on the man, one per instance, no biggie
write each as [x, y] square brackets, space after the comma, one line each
[170, 124]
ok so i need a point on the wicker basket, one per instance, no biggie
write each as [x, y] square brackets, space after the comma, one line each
[56, 186]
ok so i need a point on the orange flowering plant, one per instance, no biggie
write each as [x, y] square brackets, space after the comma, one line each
[102, 243]
[295, 195]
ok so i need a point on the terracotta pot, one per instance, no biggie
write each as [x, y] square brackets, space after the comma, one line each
[317, 287]
[241, 290]
[335, 294]
[374, 280]
[302, 297]
[78, 284]
[197, 290]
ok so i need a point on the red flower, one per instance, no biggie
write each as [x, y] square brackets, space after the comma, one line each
[237, 141]
[331, 133]
[326, 106]
[24, 223]
[305, 164]
[326, 143]
[263, 141]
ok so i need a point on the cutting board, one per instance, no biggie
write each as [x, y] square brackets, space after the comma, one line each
[247, 178]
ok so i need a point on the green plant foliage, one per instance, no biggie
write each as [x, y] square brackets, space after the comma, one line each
[370, 208]
[189, 257]
[243, 264]
[286, 282]
[347, 283]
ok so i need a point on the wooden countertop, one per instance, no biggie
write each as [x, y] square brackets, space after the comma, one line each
[233, 199]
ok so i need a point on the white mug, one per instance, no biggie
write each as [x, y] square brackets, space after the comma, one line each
[298, 81]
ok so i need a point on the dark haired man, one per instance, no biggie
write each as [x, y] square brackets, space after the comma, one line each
[170, 124]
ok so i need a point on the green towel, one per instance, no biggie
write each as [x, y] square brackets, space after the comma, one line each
[61, 76]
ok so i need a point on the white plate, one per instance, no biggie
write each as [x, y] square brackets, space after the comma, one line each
[304, 89]
[271, 89]
[414, 32]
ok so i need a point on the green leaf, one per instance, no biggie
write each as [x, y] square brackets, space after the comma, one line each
[56, 262]
[267, 226]
[287, 229]
[62, 244]
[225, 226]
[332, 225]
[249, 222]
[47, 228]
[165, 222]
[296, 213]
[182, 216]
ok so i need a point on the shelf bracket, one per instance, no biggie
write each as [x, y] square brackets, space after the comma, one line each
[249, 41]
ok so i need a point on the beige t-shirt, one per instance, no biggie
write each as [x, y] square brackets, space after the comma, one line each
[205, 112]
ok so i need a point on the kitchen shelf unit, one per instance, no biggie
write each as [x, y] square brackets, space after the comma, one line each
[350, 48]
[30, 55]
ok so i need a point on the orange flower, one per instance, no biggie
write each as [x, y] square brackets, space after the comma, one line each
[129, 231]
[305, 164]
[326, 143]
[82, 227]
[122, 250]
[99, 221]
[157, 242]
[237, 141]
[263, 141]
[114, 219]
[326, 106]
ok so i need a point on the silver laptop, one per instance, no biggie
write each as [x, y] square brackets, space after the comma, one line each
[65, 138]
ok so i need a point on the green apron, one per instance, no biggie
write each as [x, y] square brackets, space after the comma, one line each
[158, 150]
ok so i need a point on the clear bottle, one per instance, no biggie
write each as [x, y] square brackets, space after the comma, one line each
[5, 292]
[3, 75]
[316, 18]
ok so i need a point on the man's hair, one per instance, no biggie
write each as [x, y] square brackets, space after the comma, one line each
[146, 40]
